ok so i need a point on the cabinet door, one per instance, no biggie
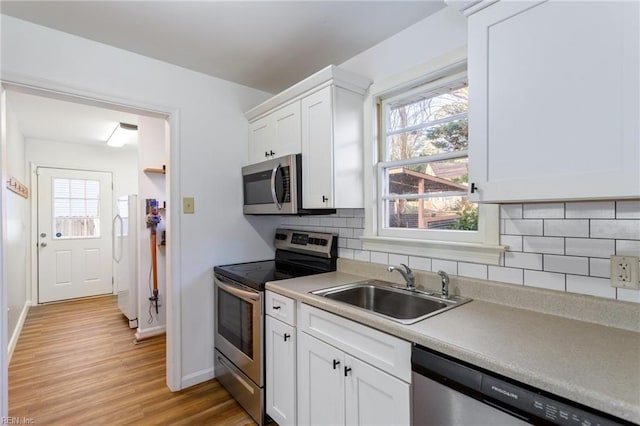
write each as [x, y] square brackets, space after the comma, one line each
[320, 383]
[317, 150]
[286, 121]
[373, 397]
[261, 138]
[554, 101]
[281, 371]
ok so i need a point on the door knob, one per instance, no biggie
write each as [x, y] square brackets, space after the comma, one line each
[43, 244]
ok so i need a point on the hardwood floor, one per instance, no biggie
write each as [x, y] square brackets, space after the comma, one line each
[76, 363]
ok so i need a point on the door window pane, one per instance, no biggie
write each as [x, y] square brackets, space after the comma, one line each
[76, 208]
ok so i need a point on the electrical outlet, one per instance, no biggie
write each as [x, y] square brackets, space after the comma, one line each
[624, 272]
[188, 206]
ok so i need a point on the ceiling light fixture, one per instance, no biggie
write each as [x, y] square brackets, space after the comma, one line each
[122, 134]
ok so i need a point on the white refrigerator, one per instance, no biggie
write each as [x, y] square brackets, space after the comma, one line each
[125, 256]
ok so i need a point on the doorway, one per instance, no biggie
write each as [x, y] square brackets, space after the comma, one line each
[74, 234]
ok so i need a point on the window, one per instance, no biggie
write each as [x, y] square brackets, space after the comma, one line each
[421, 174]
[424, 168]
[76, 208]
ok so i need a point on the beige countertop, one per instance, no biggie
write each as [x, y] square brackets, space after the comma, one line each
[595, 365]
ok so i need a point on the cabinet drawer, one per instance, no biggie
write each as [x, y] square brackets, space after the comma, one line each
[379, 349]
[281, 307]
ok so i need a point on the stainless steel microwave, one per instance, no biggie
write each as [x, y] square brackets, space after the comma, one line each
[275, 187]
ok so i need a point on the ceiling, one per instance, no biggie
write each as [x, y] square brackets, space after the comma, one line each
[267, 45]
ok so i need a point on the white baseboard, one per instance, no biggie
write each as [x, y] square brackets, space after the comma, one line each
[150, 332]
[197, 377]
[16, 332]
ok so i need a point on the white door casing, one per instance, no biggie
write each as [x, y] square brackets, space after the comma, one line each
[74, 259]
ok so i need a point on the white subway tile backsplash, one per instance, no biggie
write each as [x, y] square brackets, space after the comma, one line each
[628, 247]
[628, 210]
[422, 263]
[589, 247]
[628, 295]
[513, 242]
[511, 211]
[362, 255]
[543, 211]
[589, 285]
[566, 228]
[566, 264]
[548, 280]
[379, 257]
[559, 246]
[345, 253]
[523, 227]
[396, 259]
[600, 268]
[552, 245]
[591, 210]
[355, 222]
[624, 229]
[473, 270]
[523, 260]
[354, 243]
[448, 266]
[506, 275]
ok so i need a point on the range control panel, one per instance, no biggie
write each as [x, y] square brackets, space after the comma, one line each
[316, 243]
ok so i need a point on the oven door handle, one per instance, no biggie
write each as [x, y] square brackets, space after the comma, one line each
[274, 172]
[243, 294]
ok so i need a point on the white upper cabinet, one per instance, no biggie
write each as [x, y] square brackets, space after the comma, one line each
[321, 117]
[275, 135]
[554, 101]
[332, 157]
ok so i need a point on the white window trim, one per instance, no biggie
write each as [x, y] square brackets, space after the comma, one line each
[486, 249]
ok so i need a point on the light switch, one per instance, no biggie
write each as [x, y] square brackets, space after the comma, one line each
[188, 206]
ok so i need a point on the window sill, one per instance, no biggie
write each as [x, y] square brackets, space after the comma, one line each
[458, 251]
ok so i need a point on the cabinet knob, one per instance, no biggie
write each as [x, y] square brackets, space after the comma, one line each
[286, 336]
[346, 371]
[336, 363]
[474, 188]
[324, 199]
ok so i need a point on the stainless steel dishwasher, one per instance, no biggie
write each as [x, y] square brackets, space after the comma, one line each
[447, 391]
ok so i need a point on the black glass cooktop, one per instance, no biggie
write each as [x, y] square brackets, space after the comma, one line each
[256, 274]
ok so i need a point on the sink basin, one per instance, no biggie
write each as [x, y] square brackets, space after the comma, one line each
[398, 304]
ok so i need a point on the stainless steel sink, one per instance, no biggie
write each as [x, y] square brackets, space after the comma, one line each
[398, 304]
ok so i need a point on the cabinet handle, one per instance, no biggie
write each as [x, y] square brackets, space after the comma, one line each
[271, 153]
[336, 363]
[266, 154]
[474, 188]
[324, 199]
[286, 336]
[346, 371]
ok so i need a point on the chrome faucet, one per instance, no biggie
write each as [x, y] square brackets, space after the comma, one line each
[445, 284]
[407, 273]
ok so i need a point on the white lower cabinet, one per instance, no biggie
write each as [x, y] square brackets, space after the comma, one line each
[336, 388]
[280, 371]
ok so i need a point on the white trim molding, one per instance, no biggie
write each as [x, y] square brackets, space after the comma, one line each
[147, 333]
[197, 377]
[18, 330]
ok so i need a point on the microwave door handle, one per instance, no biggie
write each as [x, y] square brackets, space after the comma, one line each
[274, 172]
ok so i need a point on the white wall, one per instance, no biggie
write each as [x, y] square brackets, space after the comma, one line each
[209, 146]
[17, 272]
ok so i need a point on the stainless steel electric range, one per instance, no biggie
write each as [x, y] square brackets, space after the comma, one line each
[239, 310]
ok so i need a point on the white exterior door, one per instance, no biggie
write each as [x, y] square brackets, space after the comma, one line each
[74, 234]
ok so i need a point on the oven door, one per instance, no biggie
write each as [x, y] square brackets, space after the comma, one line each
[271, 187]
[239, 325]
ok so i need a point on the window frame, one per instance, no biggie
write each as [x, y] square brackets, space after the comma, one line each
[480, 246]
